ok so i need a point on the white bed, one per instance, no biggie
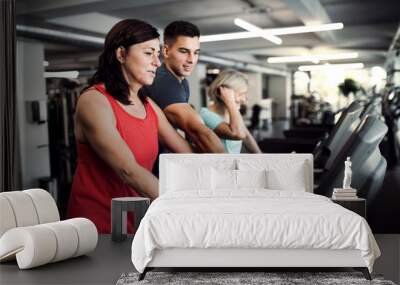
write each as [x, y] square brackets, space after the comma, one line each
[247, 211]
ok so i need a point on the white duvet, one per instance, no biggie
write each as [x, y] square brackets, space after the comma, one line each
[252, 218]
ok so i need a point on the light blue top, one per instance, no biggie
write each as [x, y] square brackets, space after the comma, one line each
[213, 120]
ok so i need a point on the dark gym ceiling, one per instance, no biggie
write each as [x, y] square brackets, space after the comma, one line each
[369, 26]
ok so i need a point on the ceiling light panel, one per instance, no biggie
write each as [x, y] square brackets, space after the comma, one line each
[312, 58]
[272, 32]
[323, 67]
[258, 31]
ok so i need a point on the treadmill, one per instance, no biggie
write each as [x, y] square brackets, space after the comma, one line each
[327, 151]
[368, 165]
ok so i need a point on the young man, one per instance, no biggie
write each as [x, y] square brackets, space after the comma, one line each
[170, 89]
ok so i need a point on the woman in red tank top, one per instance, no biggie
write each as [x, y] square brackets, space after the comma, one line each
[118, 127]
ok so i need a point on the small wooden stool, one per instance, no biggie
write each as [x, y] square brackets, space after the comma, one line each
[119, 207]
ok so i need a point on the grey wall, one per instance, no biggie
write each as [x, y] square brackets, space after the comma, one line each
[255, 89]
[34, 140]
[195, 79]
[280, 92]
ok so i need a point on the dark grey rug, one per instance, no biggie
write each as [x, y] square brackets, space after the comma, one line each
[242, 278]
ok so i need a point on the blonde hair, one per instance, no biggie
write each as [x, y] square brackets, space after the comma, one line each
[230, 78]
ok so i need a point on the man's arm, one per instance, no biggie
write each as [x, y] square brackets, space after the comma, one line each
[95, 117]
[168, 136]
[184, 117]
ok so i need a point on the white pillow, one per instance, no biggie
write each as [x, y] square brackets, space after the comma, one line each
[251, 178]
[188, 177]
[223, 179]
[284, 174]
[291, 179]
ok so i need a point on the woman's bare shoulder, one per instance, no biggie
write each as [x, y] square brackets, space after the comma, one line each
[92, 103]
[92, 98]
[92, 95]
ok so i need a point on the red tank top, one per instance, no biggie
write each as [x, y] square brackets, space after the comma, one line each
[95, 183]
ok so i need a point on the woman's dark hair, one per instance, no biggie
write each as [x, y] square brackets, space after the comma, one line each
[124, 34]
[180, 28]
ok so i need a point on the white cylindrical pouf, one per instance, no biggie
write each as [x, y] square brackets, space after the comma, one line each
[67, 239]
[34, 246]
[87, 234]
[23, 207]
[45, 205]
[7, 217]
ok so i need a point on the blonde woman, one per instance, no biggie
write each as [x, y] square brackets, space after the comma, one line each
[227, 92]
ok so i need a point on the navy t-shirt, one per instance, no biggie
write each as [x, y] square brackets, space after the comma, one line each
[167, 89]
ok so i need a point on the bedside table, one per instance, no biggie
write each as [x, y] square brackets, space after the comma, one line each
[358, 206]
[119, 208]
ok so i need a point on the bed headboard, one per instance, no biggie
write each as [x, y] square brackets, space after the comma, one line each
[231, 161]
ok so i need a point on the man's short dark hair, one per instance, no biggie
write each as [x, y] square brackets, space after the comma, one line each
[180, 28]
